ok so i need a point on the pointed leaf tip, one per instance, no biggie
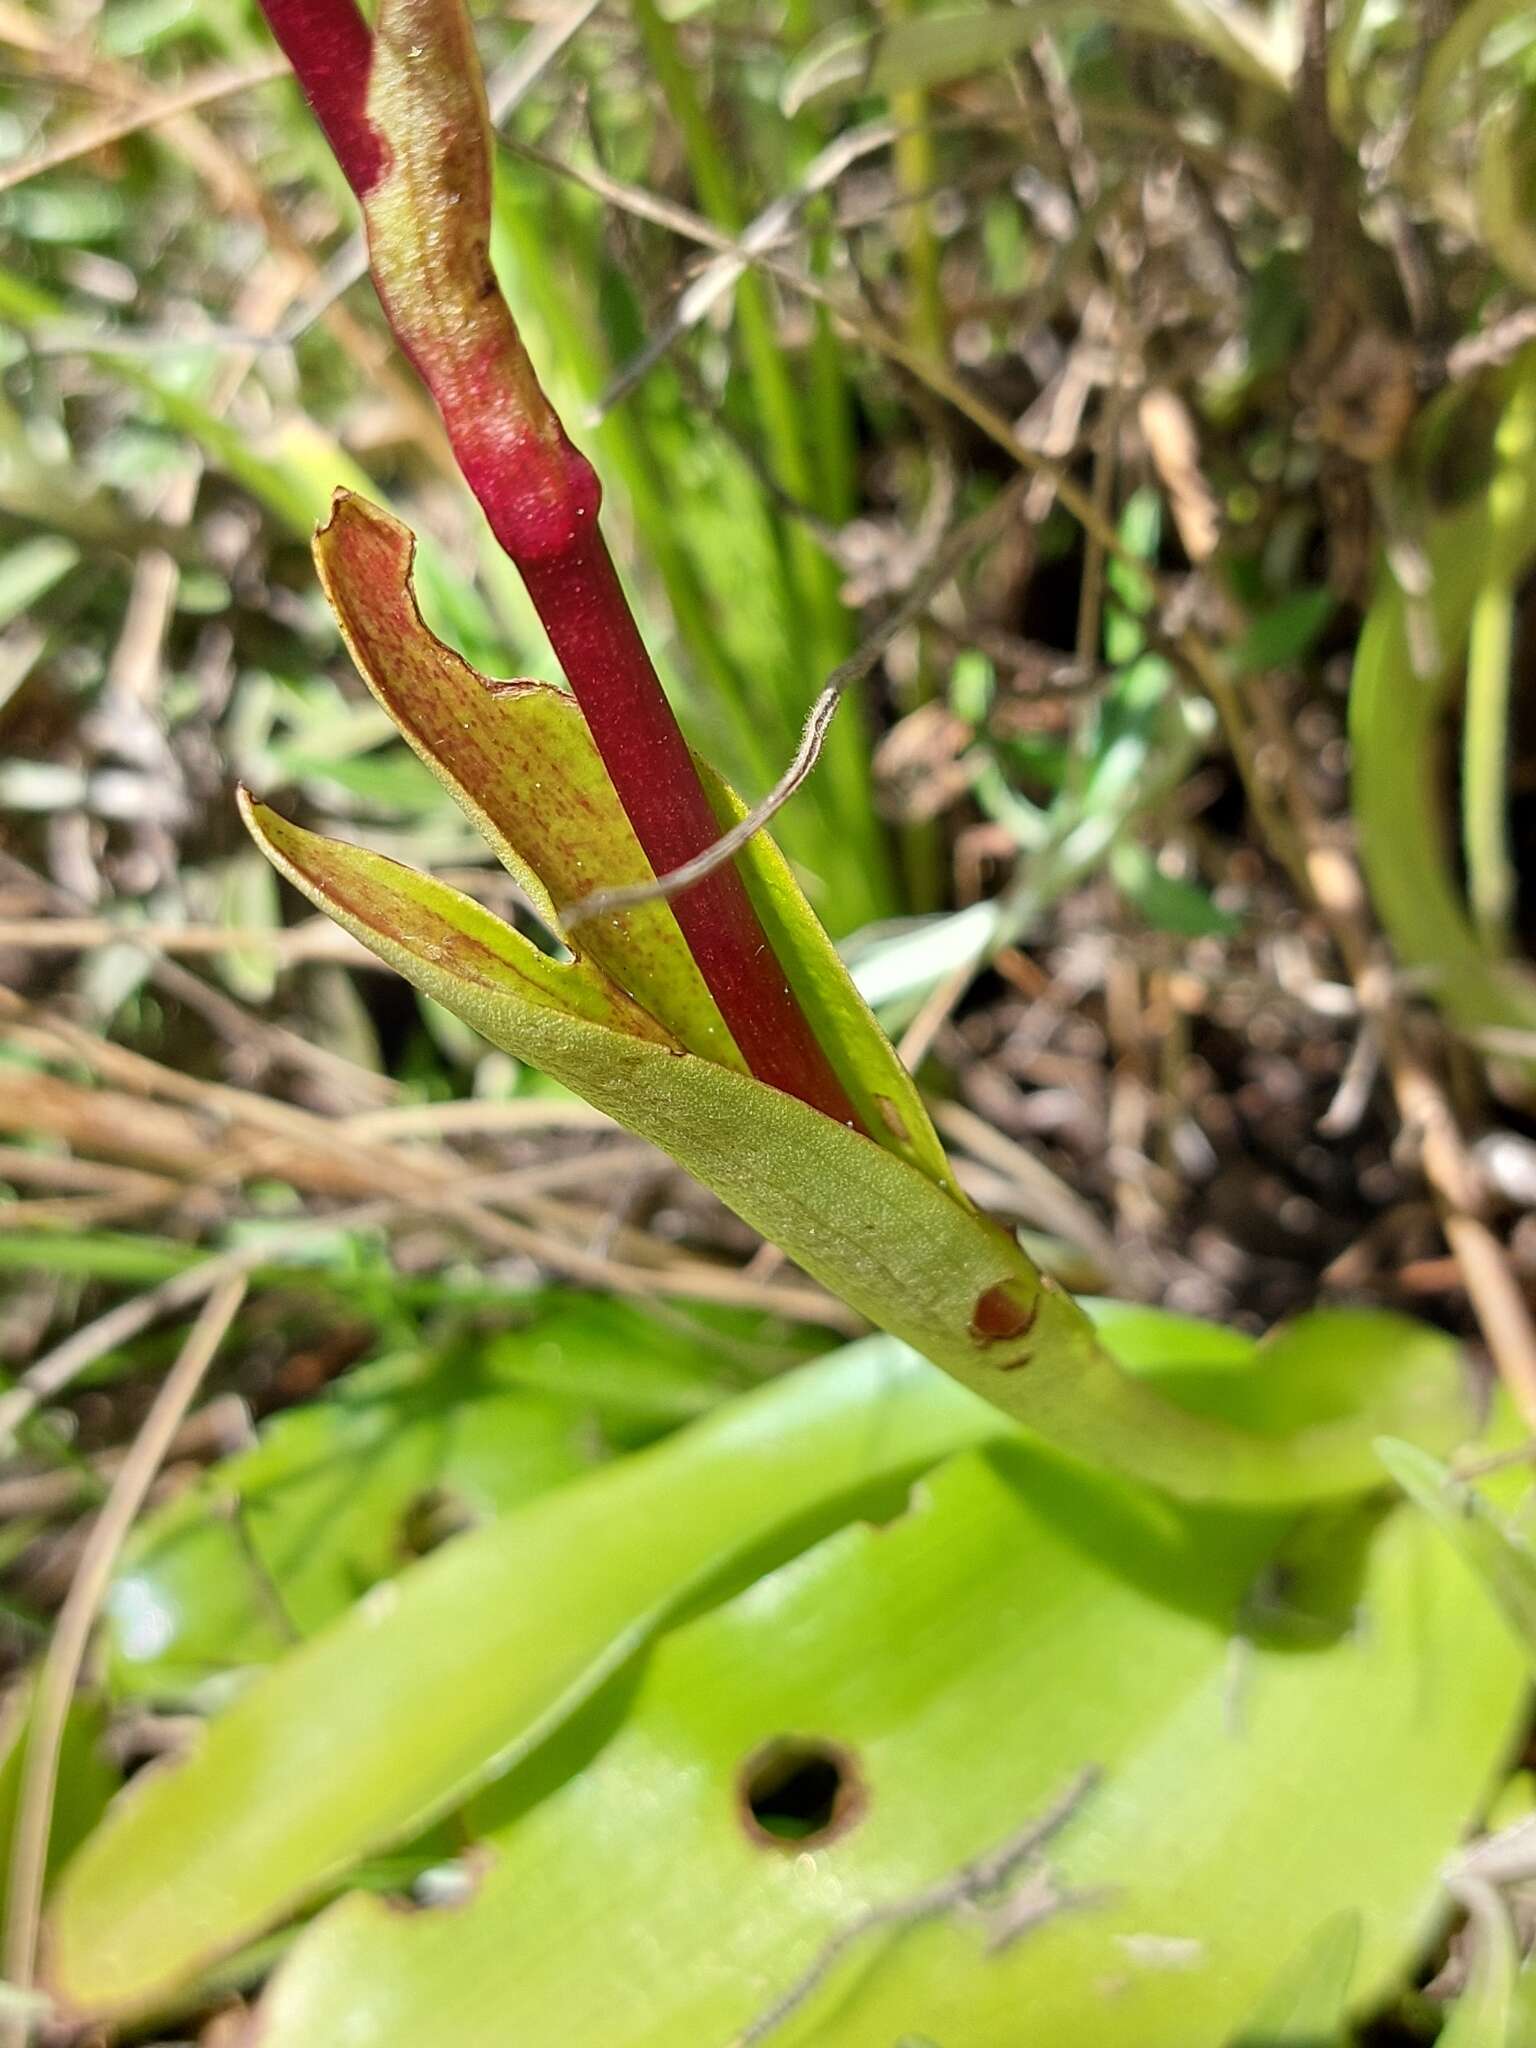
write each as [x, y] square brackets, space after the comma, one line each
[450, 946]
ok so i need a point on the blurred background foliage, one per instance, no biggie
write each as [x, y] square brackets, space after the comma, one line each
[609, 1642]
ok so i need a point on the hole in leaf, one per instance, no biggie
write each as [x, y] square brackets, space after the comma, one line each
[799, 1791]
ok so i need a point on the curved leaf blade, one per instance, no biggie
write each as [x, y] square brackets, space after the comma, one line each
[878, 1233]
[965, 1664]
[462, 1664]
[1394, 714]
[459, 953]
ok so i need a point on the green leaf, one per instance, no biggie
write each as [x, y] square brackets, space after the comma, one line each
[275, 1543]
[876, 1231]
[1306, 2004]
[30, 569]
[944, 43]
[465, 1662]
[342, 1491]
[1394, 715]
[1167, 904]
[951, 1674]
[1500, 1558]
[519, 761]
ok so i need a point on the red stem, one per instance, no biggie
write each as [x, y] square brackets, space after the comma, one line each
[329, 46]
[542, 504]
[593, 632]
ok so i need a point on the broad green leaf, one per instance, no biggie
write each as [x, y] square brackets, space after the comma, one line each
[638, 1376]
[1495, 1552]
[874, 1230]
[466, 1661]
[1318, 1369]
[342, 1491]
[1306, 2004]
[272, 1545]
[1158, 1340]
[955, 1671]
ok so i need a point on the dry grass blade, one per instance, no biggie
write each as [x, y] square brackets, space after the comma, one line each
[698, 299]
[1052, 1204]
[257, 1135]
[933, 375]
[79, 1351]
[315, 939]
[65, 1658]
[133, 120]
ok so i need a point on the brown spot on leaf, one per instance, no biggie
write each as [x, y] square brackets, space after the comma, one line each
[893, 1120]
[1002, 1311]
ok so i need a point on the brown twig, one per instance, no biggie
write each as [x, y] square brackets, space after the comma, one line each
[680, 1277]
[1322, 190]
